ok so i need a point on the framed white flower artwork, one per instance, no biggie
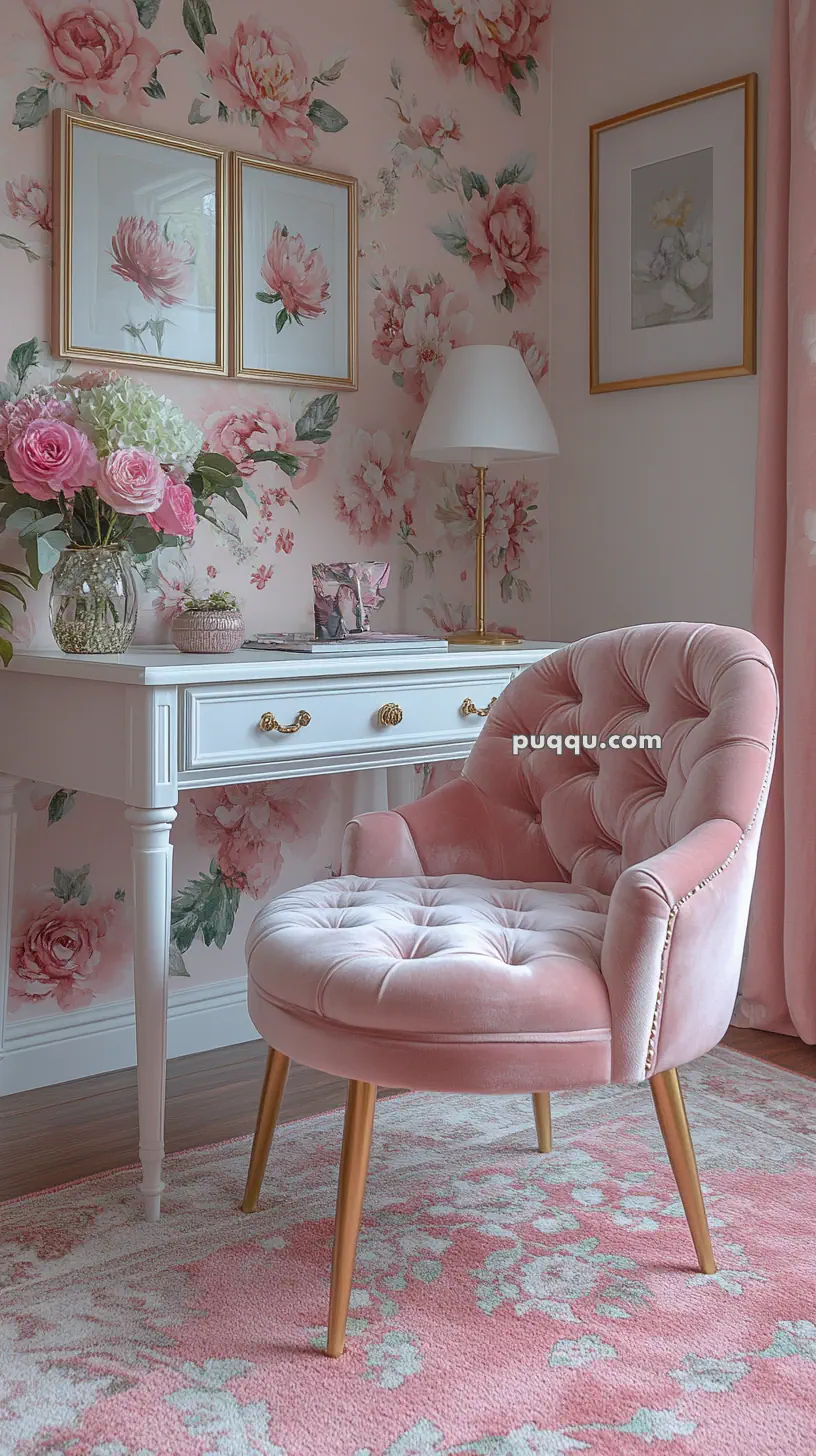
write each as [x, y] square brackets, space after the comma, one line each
[294, 251]
[673, 240]
[141, 237]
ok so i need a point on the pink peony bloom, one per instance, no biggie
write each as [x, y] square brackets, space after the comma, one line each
[30, 201]
[236, 433]
[59, 952]
[161, 270]
[381, 486]
[493, 38]
[41, 404]
[502, 237]
[50, 456]
[534, 354]
[416, 326]
[436, 130]
[176, 515]
[131, 481]
[516, 524]
[248, 823]
[296, 275]
[262, 70]
[98, 52]
[285, 541]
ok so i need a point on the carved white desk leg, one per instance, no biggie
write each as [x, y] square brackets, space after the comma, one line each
[8, 834]
[152, 890]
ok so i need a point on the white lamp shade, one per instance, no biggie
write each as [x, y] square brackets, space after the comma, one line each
[485, 407]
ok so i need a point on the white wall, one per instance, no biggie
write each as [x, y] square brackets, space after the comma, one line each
[652, 498]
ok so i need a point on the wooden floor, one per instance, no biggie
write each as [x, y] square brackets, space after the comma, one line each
[56, 1134]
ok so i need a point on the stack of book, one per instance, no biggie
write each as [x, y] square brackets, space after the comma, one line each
[355, 642]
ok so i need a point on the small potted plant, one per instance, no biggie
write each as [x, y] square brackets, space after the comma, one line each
[209, 624]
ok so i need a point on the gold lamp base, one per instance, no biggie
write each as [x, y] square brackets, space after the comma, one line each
[482, 639]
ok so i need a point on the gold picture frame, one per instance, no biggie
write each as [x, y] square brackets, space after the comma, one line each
[86, 306]
[744, 360]
[262, 328]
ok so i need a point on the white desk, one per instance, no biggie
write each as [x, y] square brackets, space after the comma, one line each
[144, 726]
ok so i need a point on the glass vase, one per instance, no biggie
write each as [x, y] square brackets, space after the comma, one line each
[93, 599]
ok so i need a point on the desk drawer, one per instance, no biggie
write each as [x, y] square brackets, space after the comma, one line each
[235, 725]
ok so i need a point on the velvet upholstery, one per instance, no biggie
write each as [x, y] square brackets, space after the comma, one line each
[546, 920]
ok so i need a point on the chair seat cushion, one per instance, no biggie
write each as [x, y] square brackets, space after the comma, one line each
[429, 962]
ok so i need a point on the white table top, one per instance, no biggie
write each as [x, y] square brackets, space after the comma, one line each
[164, 665]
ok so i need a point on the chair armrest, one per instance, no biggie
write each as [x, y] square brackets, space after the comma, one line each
[379, 846]
[672, 951]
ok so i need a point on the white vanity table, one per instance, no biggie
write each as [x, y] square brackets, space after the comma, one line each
[145, 726]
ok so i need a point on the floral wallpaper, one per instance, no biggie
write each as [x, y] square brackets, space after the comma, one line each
[441, 109]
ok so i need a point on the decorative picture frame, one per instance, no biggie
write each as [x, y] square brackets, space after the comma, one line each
[673, 250]
[294, 274]
[149, 284]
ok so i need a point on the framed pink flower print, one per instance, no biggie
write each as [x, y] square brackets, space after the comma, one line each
[294, 251]
[140, 266]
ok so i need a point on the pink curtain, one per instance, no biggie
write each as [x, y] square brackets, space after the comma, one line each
[779, 984]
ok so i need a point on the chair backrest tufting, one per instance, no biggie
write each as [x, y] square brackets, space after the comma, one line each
[708, 693]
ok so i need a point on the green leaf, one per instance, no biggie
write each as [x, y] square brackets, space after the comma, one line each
[513, 97]
[532, 71]
[505, 299]
[154, 88]
[481, 184]
[467, 182]
[326, 117]
[144, 540]
[519, 170]
[223, 112]
[21, 519]
[147, 10]
[177, 966]
[398, 378]
[453, 238]
[72, 884]
[60, 804]
[198, 21]
[23, 358]
[268, 297]
[35, 525]
[49, 549]
[330, 73]
[6, 619]
[206, 907]
[31, 107]
[13, 591]
[211, 460]
[7, 241]
[289, 464]
[6, 652]
[281, 320]
[33, 562]
[120, 896]
[196, 115]
[235, 500]
[14, 570]
[318, 419]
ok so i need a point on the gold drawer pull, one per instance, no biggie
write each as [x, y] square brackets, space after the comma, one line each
[270, 724]
[390, 715]
[469, 709]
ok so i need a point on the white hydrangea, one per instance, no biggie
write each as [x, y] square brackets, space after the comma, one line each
[121, 412]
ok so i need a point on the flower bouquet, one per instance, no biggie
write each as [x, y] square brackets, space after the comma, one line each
[92, 470]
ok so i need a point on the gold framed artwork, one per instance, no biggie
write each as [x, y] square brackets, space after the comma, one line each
[141, 239]
[294, 274]
[673, 240]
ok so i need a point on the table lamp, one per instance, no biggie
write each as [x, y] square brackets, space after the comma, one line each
[485, 408]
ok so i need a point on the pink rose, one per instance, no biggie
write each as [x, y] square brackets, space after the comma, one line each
[98, 52]
[58, 953]
[248, 823]
[534, 354]
[50, 456]
[131, 481]
[263, 70]
[295, 275]
[162, 271]
[30, 201]
[41, 404]
[176, 514]
[436, 130]
[236, 433]
[502, 237]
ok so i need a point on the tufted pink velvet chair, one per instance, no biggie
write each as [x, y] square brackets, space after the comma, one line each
[545, 921]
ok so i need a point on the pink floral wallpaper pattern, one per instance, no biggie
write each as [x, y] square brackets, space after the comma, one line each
[440, 108]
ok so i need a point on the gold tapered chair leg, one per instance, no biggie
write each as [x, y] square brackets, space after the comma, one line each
[277, 1068]
[350, 1190]
[671, 1114]
[543, 1121]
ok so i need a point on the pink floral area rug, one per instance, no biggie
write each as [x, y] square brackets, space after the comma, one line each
[505, 1303]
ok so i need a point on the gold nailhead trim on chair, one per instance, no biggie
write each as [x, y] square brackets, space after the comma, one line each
[651, 1050]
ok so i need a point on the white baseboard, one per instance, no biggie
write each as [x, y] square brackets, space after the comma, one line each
[40, 1051]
